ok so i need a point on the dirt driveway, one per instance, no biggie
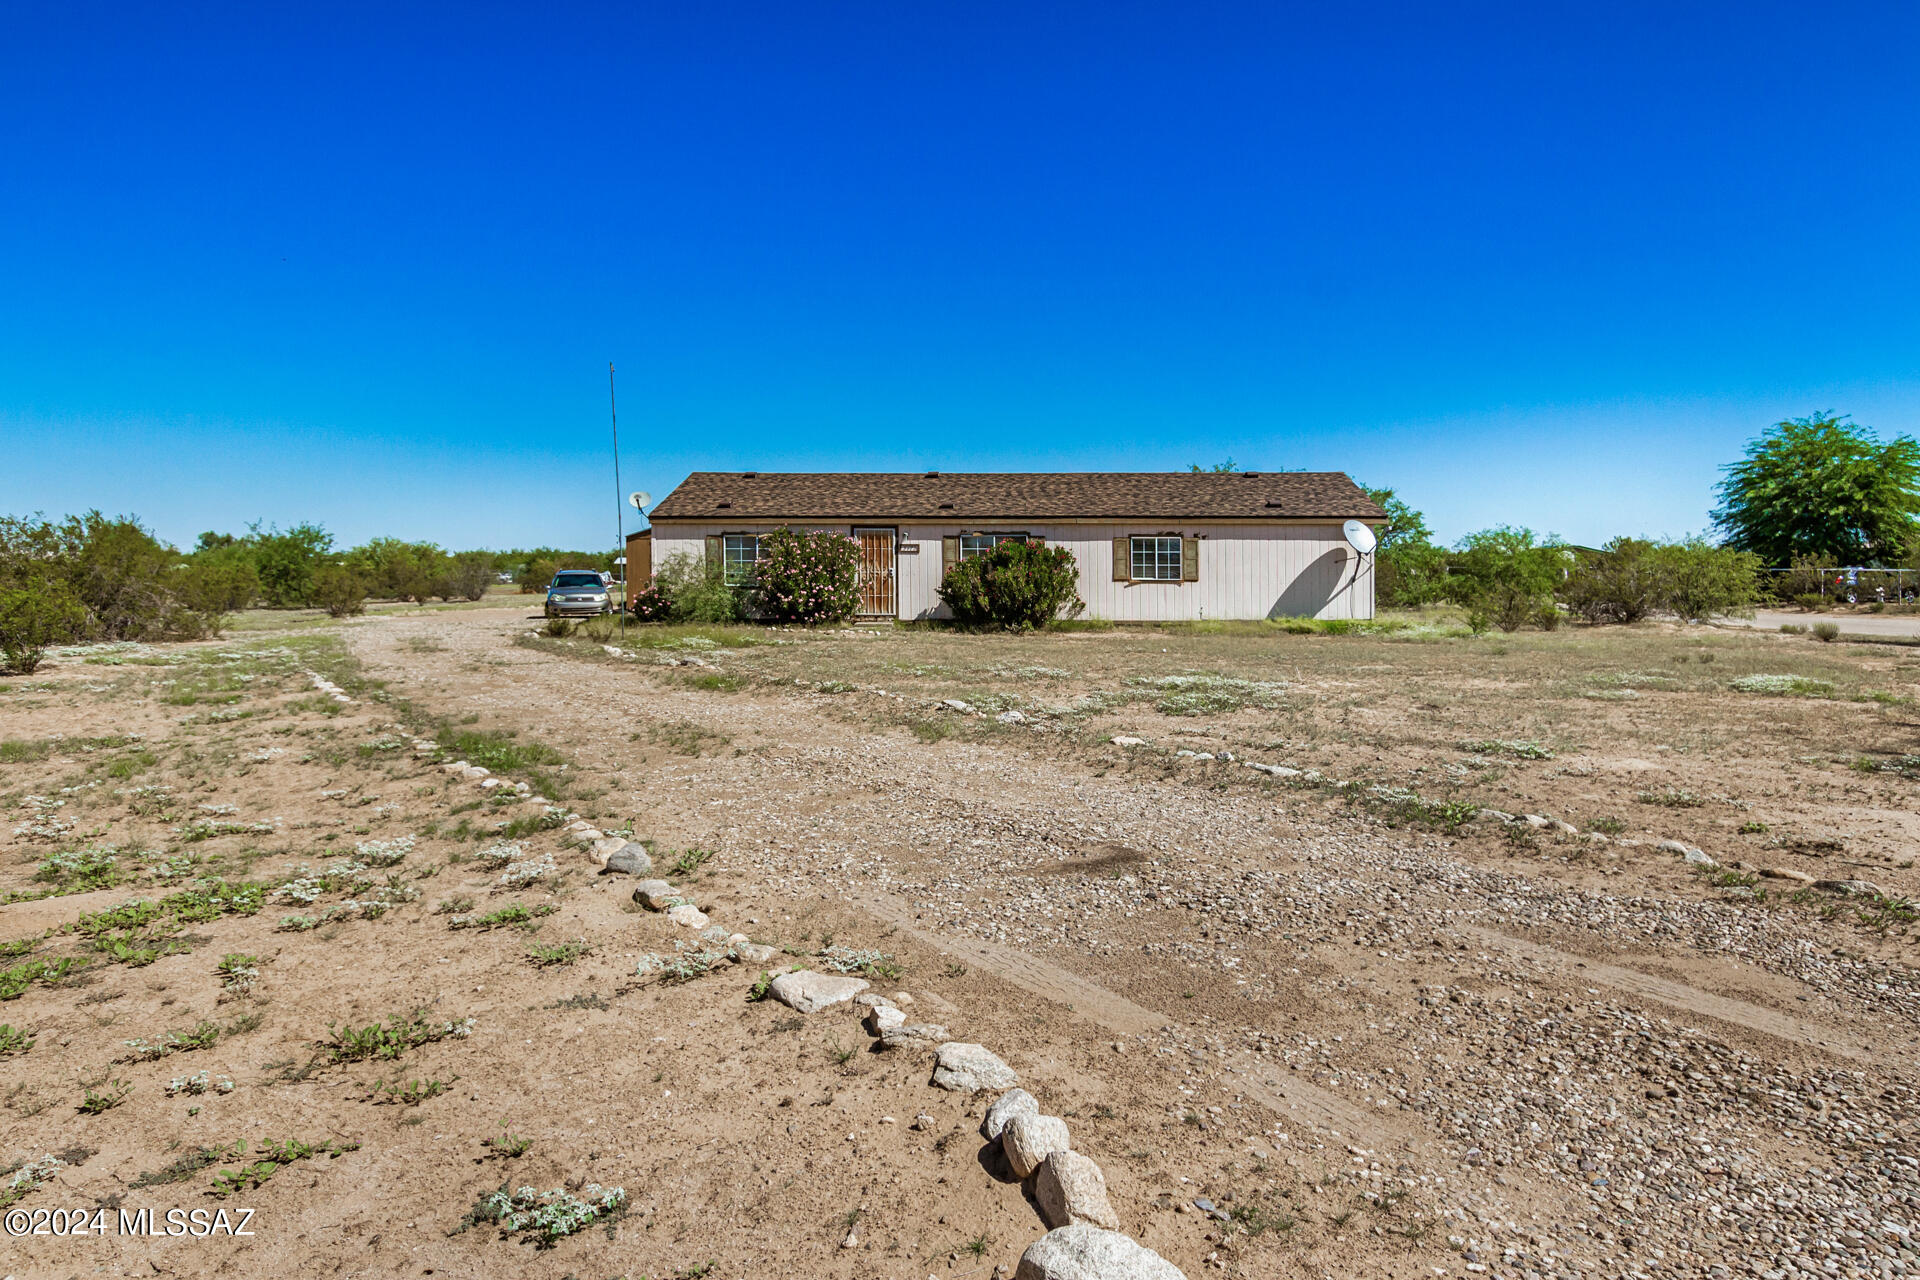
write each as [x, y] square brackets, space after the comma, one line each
[1552, 1062]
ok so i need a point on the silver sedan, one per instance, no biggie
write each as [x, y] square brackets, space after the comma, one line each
[578, 593]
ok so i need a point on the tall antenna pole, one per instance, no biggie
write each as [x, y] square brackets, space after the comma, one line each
[619, 512]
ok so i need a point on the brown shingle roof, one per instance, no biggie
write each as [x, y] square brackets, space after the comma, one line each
[1075, 495]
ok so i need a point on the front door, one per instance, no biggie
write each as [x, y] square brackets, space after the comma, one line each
[876, 572]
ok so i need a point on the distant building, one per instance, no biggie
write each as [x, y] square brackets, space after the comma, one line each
[1152, 546]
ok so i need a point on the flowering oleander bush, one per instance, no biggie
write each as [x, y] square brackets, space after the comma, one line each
[807, 576]
[1018, 586]
[652, 605]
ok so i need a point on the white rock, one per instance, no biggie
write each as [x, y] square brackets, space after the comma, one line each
[1070, 1188]
[881, 1019]
[1029, 1140]
[1127, 740]
[1274, 770]
[1080, 1252]
[489, 783]
[956, 704]
[1695, 858]
[1671, 846]
[1012, 717]
[687, 916]
[810, 992]
[1564, 828]
[913, 1035]
[606, 846]
[754, 953]
[969, 1068]
[1007, 1108]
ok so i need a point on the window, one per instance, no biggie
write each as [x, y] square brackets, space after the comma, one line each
[1156, 559]
[978, 544]
[741, 554]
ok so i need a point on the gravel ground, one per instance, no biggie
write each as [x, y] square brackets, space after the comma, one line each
[1448, 1041]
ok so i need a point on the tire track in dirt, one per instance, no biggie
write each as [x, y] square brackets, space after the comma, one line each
[1287, 1097]
[1678, 995]
[1049, 981]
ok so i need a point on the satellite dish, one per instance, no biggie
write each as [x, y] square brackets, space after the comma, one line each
[639, 500]
[1359, 537]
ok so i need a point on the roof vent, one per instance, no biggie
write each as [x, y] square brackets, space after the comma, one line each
[1249, 474]
[932, 475]
[946, 506]
[723, 505]
[749, 475]
[1273, 503]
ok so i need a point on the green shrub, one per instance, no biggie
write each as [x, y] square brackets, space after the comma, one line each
[211, 588]
[287, 562]
[1506, 577]
[1017, 586]
[469, 574]
[807, 577]
[1699, 580]
[34, 618]
[340, 591]
[1632, 577]
[402, 570]
[1826, 632]
[1618, 583]
[697, 591]
[535, 574]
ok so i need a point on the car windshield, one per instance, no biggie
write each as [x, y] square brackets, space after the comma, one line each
[574, 581]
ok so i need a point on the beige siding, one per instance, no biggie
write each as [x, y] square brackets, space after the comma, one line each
[1246, 570]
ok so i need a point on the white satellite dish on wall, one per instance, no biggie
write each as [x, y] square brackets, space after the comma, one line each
[638, 501]
[1359, 537]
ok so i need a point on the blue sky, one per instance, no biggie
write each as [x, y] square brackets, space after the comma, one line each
[1540, 264]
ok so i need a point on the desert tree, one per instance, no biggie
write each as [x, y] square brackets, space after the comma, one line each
[1822, 487]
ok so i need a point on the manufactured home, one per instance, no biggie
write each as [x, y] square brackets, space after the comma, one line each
[1151, 546]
